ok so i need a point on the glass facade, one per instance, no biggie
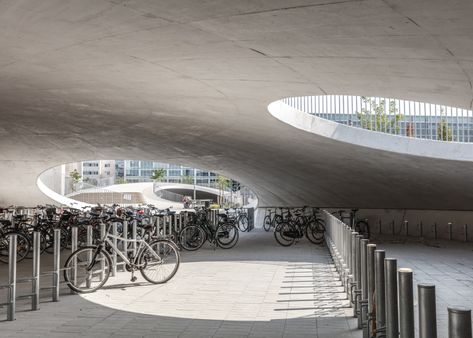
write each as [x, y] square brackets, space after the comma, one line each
[393, 116]
[141, 171]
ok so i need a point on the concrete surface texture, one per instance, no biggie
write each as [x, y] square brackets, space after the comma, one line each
[189, 82]
[256, 289]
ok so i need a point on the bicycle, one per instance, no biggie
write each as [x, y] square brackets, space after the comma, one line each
[193, 236]
[297, 225]
[8, 228]
[88, 268]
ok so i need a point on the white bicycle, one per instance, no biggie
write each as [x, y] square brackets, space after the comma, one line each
[88, 268]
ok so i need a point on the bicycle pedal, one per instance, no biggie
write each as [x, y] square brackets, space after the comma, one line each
[133, 279]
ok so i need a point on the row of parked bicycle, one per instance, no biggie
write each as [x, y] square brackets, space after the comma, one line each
[144, 239]
[292, 224]
[193, 230]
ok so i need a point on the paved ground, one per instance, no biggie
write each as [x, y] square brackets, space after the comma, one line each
[257, 289]
[446, 264]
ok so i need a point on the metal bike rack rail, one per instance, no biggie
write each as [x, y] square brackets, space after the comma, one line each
[13, 281]
[381, 294]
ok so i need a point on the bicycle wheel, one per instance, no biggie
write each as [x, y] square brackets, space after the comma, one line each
[227, 235]
[159, 262]
[278, 219]
[315, 231]
[283, 233]
[192, 237]
[87, 269]
[22, 246]
[363, 229]
[243, 223]
[267, 223]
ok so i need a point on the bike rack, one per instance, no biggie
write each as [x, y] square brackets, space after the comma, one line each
[36, 274]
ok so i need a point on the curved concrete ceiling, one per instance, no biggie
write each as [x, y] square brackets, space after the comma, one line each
[189, 82]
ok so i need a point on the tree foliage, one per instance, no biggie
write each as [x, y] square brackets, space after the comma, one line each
[444, 131]
[75, 175]
[373, 116]
[158, 174]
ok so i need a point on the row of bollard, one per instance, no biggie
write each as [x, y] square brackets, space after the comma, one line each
[421, 231]
[383, 295]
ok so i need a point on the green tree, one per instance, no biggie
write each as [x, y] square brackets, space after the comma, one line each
[76, 178]
[444, 131]
[374, 116]
[223, 183]
[158, 174]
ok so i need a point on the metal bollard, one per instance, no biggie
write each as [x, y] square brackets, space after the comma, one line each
[73, 272]
[406, 304]
[114, 254]
[364, 287]
[36, 270]
[133, 236]
[125, 239]
[348, 250]
[459, 323]
[353, 254]
[427, 311]
[390, 276]
[103, 229]
[370, 266]
[380, 303]
[57, 264]
[450, 232]
[12, 277]
[358, 294]
[406, 225]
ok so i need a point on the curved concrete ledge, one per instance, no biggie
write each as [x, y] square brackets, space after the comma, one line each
[58, 197]
[368, 138]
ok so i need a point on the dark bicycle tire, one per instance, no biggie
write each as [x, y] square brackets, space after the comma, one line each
[267, 223]
[165, 247]
[315, 232]
[67, 268]
[243, 223]
[198, 238]
[363, 228]
[223, 229]
[279, 234]
[23, 246]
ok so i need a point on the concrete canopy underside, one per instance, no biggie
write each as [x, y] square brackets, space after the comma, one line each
[189, 82]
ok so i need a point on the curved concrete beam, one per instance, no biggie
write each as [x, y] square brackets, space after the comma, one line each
[371, 139]
[189, 82]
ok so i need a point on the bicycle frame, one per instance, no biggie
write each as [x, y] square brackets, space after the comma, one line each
[142, 245]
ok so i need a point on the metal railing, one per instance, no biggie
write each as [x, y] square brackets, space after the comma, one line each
[381, 294]
[399, 117]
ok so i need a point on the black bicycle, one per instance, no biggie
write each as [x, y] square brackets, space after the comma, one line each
[297, 224]
[194, 235]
